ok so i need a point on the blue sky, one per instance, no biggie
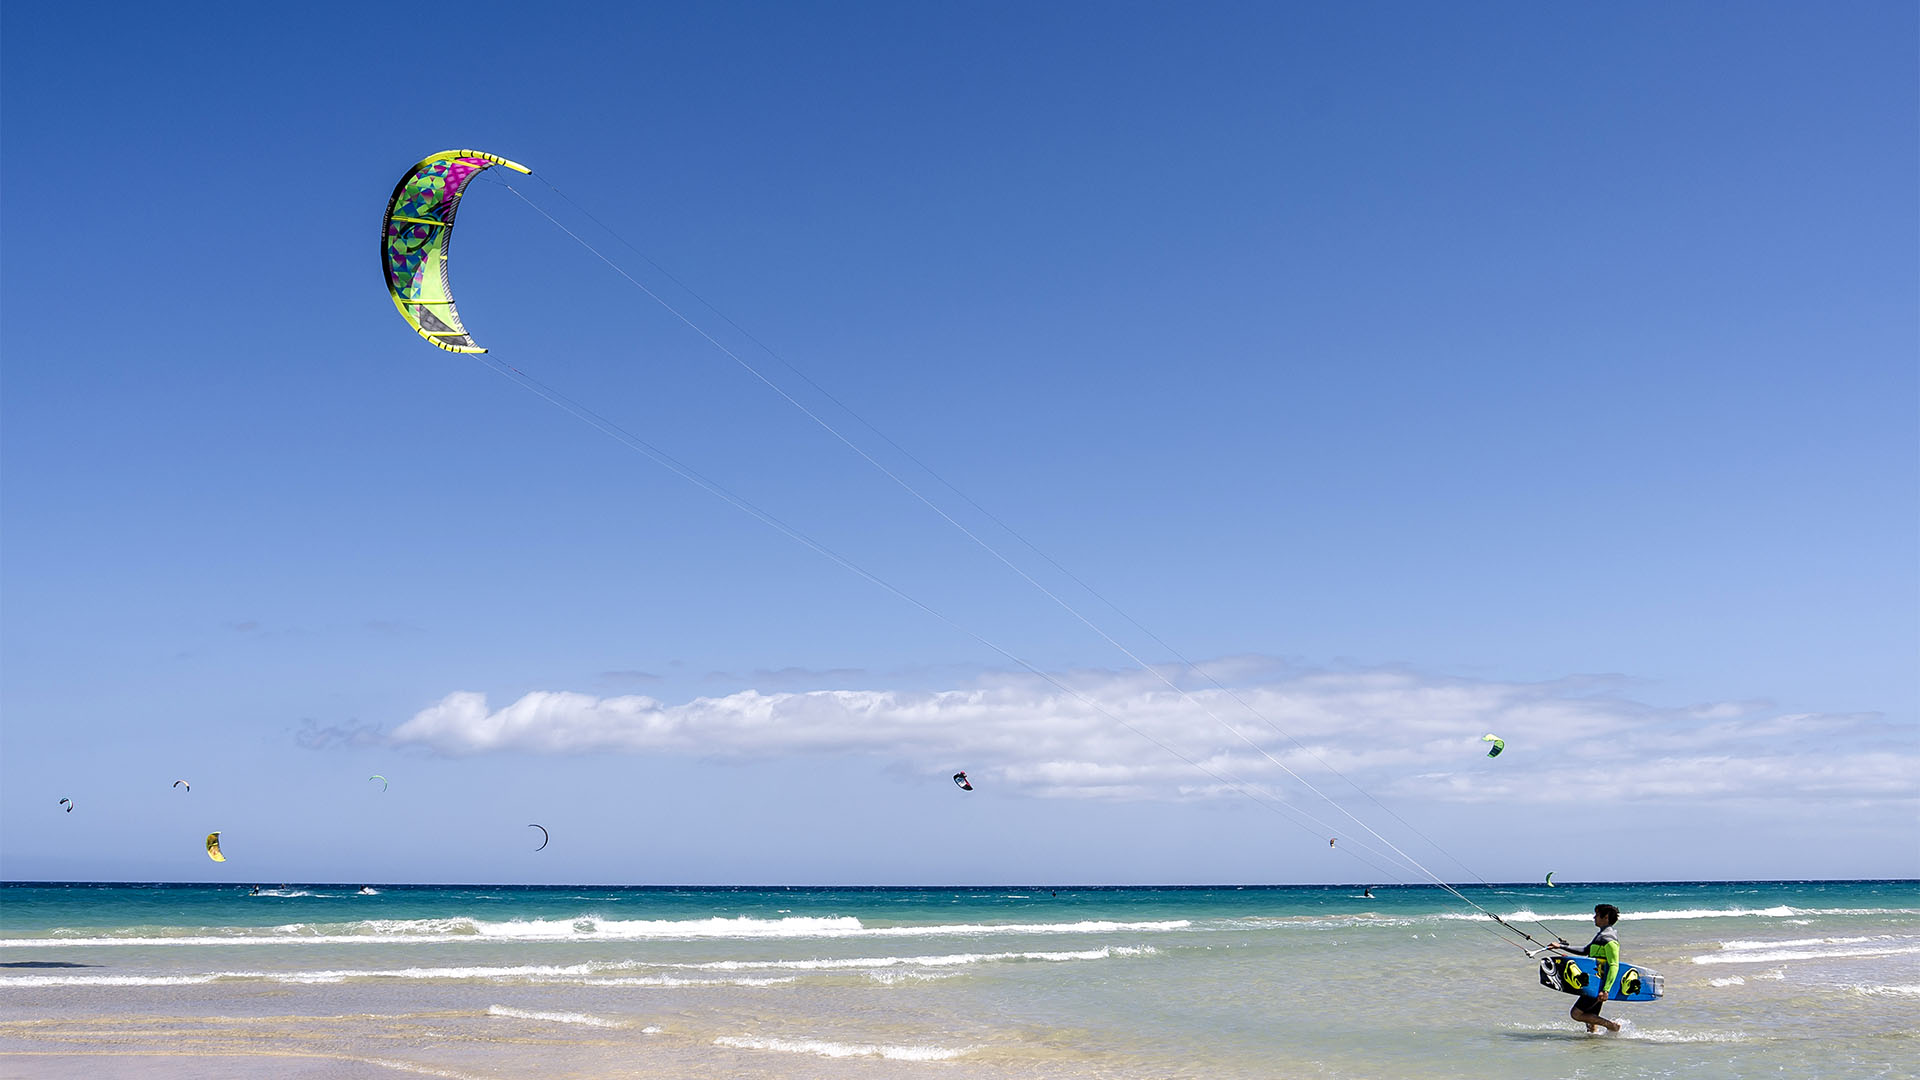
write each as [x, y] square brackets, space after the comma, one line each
[1417, 373]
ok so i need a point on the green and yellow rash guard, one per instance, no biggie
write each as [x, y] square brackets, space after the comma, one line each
[1605, 947]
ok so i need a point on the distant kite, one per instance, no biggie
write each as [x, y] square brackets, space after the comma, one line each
[184, 784]
[544, 837]
[382, 779]
[68, 803]
[1499, 744]
[960, 778]
[1550, 883]
[1331, 840]
[213, 847]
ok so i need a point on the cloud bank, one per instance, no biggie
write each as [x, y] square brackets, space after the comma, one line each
[1123, 735]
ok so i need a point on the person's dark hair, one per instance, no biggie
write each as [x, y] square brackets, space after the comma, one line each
[1612, 913]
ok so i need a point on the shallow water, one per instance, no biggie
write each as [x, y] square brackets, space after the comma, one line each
[1762, 978]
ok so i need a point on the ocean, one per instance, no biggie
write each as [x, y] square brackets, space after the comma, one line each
[1762, 978]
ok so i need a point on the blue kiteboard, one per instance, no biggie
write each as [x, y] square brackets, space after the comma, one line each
[1576, 974]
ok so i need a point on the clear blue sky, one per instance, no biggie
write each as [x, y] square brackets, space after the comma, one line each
[1428, 371]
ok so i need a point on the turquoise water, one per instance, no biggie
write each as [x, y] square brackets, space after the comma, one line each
[1762, 978]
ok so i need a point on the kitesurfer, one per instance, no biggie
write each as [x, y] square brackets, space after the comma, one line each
[1605, 947]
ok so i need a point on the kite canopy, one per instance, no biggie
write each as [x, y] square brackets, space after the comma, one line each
[544, 836]
[382, 779]
[213, 847]
[184, 784]
[1499, 744]
[1550, 883]
[414, 238]
[960, 779]
[68, 803]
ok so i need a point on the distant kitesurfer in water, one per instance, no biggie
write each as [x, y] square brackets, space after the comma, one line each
[1604, 947]
[1366, 894]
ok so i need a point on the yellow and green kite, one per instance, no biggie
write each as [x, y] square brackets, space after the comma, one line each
[414, 238]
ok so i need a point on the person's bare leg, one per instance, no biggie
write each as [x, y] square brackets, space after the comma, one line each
[1590, 1019]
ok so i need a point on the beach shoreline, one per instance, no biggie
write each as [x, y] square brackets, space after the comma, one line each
[493, 982]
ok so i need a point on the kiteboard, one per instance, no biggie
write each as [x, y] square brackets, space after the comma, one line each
[1576, 974]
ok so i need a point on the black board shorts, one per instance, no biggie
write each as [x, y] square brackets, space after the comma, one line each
[1589, 1005]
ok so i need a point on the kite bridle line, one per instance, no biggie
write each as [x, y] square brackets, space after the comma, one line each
[1188, 664]
[989, 515]
[1010, 564]
[633, 442]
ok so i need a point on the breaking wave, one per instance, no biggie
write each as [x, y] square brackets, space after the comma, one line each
[583, 928]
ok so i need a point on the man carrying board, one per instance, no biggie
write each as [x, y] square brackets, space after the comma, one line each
[1605, 947]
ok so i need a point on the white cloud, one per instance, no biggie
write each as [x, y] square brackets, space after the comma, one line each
[1391, 731]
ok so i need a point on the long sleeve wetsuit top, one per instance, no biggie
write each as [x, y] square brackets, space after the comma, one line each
[1605, 947]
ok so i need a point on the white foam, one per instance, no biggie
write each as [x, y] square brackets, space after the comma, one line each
[946, 960]
[1629, 1030]
[823, 1048]
[587, 928]
[521, 971]
[1794, 943]
[890, 978]
[553, 1017]
[1780, 911]
[8, 981]
[1668, 1035]
[1095, 926]
[1805, 954]
[570, 975]
[201, 939]
[1887, 991]
[422, 1070]
[1733, 980]
[671, 981]
[590, 927]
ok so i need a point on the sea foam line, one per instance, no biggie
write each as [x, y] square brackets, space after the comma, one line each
[588, 928]
[948, 960]
[1668, 1035]
[591, 973]
[1795, 943]
[583, 1019]
[1779, 911]
[571, 975]
[841, 1050]
[1878, 991]
[1804, 954]
[30, 981]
